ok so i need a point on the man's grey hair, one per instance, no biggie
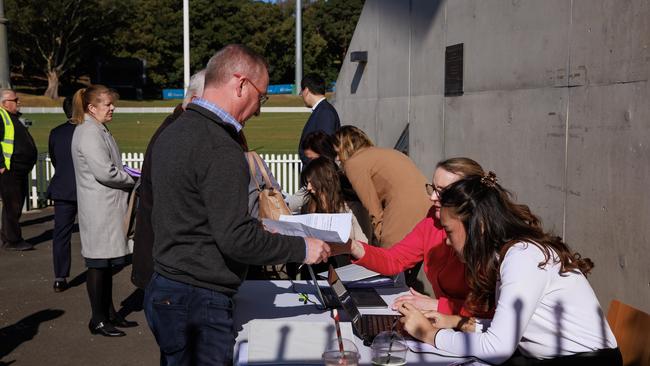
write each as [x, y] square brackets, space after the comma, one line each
[195, 89]
[234, 59]
[4, 92]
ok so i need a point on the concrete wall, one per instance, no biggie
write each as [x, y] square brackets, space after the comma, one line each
[556, 101]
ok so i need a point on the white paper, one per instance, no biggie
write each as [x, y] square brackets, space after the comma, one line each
[333, 228]
[352, 273]
[286, 342]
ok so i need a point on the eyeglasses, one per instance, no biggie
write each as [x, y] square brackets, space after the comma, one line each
[430, 188]
[16, 100]
[262, 96]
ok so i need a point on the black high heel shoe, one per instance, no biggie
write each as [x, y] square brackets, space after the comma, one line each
[121, 322]
[105, 329]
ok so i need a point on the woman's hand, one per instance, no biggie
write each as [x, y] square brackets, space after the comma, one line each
[416, 324]
[442, 321]
[420, 301]
[357, 251]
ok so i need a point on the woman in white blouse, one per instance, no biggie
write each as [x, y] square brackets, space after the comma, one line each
[546, 311]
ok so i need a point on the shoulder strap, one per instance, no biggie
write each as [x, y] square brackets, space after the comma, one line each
[260, 165]
[250, 158]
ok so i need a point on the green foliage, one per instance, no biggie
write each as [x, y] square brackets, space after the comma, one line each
[49, 38]
[152, 30]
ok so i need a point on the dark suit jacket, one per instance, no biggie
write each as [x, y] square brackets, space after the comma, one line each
[63, 185]
[323, 118]
[142, 269]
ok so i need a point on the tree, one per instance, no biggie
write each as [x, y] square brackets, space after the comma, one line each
[154, 33]
[51, 37]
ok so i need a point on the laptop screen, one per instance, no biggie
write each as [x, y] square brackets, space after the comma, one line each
[344, 296]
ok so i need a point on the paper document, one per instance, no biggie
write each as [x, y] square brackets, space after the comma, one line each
[287, 342]
[333, 228]
[352, 273]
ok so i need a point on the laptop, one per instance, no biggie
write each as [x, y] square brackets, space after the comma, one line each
[362, 297]
[366, 326]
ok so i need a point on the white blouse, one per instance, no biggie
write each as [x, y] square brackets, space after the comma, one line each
[542, 312]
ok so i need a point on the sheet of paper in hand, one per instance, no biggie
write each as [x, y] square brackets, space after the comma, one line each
[333, 228]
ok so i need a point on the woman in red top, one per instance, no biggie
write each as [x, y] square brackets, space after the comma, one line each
[426, 242]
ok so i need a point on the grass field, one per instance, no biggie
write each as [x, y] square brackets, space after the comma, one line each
[30, 100]
[268, 133]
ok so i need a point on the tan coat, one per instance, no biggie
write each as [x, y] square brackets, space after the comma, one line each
[391, 188]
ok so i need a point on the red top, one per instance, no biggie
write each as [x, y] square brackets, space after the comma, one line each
[442, 266]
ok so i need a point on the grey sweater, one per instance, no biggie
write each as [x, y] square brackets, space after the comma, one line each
[203, 233]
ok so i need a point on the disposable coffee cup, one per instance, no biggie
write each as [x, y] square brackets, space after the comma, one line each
[348, 357]
[388, 349]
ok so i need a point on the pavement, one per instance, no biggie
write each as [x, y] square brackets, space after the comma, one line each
[41, 327]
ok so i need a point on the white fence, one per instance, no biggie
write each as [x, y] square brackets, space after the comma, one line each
[285, 167]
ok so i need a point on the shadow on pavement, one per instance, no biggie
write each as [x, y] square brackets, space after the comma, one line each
[38, 220]
[47, 236]
[78, 280]
[24, 330]
[132, 303]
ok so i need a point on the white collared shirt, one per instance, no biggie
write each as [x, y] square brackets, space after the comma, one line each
[313, 108]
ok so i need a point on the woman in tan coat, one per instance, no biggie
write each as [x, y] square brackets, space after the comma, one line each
[387, 182]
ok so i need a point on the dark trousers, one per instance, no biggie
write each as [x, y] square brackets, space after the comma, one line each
[192, 325]
[64, 216]
[13, 190]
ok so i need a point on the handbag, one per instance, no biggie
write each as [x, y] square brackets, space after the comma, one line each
[271, 201]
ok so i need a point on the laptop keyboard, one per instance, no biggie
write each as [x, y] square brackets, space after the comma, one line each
[375, 324]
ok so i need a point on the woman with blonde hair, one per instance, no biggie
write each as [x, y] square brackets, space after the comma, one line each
[387, 182]
[102, 193]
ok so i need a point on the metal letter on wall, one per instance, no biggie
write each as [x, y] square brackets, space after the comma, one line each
[454, 70]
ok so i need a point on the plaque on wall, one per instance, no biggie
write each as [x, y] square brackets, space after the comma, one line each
[454, 70]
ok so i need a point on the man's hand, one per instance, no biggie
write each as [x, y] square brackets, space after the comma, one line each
[2, 170]
[317, 251]
[420, 301]
[416, 324]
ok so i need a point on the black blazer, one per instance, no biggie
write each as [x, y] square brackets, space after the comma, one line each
[323, 118]
[63, 185]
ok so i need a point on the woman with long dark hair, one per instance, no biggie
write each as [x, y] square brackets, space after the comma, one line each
[546, 311]
[321, 178]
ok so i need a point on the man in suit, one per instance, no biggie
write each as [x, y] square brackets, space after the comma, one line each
[18, 157]
[142, 268]
[63, 190]
[204, 238]
[323, 117]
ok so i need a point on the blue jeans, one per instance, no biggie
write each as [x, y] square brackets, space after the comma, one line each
[192, 325]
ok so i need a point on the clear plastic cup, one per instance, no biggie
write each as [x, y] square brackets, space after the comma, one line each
[388, 349]
[334, 357]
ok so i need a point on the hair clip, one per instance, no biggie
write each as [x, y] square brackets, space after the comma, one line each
[489, 179]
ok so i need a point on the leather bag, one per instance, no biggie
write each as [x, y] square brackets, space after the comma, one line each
[271, 202]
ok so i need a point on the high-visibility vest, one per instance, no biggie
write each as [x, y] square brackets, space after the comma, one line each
[7, 142]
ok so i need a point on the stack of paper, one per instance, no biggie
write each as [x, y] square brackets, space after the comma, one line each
[290, 342]
[353, 275]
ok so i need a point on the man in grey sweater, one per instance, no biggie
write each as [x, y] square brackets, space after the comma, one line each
[204, 239]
